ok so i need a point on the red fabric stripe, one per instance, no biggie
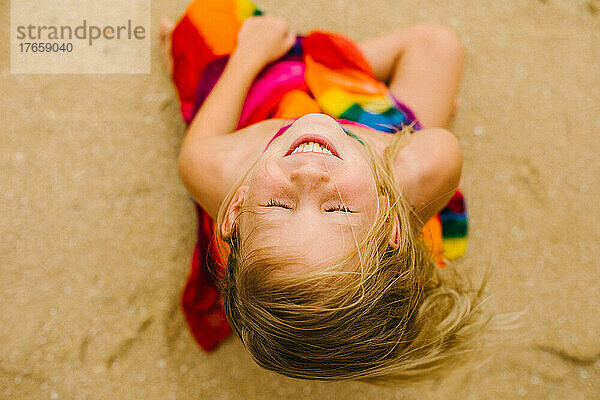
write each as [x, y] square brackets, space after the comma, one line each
[457, 203]
[190, 56]
[335, 51]
[201, 302]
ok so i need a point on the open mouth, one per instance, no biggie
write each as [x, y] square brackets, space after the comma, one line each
[313, 144]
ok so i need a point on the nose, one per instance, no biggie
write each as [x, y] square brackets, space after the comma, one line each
[309, 174]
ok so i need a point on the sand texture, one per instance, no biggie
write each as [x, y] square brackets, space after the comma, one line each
[97, 231]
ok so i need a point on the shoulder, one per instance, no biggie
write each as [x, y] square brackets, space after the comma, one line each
[428, 169]
[209, 166]
[434, 149]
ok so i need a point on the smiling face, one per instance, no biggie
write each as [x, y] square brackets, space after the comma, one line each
[313, 205]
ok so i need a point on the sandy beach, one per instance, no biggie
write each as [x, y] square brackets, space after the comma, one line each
[97, 230]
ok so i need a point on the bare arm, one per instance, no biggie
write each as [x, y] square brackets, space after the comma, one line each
[213, 153]
[428, 170]
[261, 40]
[203, 158]
[422, 65]
[221, 110]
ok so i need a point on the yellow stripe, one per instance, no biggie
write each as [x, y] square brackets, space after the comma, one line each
[336, 101]
[377, 105]
[245, 9]
[454, 247]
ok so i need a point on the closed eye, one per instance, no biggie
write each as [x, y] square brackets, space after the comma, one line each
[277, 203]
[339, 208]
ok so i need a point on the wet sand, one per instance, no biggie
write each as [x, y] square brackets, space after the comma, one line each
[97, 231]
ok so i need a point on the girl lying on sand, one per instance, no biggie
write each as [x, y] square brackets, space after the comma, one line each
[325, 184]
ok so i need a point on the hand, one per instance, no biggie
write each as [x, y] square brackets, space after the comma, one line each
[263, 39]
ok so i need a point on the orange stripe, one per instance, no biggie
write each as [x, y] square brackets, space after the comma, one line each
[217, 22]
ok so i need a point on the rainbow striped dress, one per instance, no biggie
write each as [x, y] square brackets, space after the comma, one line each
[323, 72]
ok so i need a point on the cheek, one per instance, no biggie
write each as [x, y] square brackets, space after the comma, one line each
[260, 178]
[357, 184]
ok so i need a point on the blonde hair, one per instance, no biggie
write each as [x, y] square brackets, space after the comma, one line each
[394, 317]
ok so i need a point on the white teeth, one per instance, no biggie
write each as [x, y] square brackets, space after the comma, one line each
[311, 147]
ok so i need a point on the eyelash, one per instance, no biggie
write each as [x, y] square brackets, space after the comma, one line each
[277, 203]
[339, 208]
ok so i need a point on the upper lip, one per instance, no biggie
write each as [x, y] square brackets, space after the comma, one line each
[313, 138]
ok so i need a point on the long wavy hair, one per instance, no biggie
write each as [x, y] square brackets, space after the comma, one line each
[378, 314]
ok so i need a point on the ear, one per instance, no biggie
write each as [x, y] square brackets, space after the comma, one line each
[384, 204]
[233, 211]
